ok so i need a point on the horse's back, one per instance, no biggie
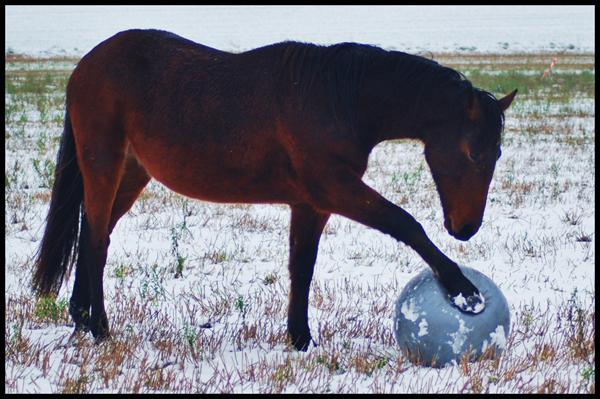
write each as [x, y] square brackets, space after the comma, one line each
[152, 42]
[196, 118]
[140, 73]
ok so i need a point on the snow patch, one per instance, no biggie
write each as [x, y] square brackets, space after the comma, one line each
[423, 328]
[484, 346]
[499, 337]
[409, 311]
[459, 300]
[480, 305]
[459, 337]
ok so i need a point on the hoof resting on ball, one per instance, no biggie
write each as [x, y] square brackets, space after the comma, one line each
[472, 304]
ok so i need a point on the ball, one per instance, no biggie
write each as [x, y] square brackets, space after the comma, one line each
[431, 331]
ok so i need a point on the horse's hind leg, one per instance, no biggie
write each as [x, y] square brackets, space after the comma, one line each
[305, 231]
[79, 305]
[101, 151]
[132, 182]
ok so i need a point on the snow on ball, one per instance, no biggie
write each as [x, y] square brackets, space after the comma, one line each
[431, 331]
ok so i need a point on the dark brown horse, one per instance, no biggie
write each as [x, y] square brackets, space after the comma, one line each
[288, 123]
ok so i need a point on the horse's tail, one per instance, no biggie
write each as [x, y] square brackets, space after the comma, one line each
[58, 250]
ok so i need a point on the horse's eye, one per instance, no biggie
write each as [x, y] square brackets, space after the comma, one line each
[475, 157]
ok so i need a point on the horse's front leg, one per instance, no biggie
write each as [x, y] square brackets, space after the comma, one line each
[306, 227]
[346, 194]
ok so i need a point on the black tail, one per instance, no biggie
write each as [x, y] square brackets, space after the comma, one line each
[58, 250]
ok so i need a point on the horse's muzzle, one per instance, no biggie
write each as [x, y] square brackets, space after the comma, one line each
[464, 233]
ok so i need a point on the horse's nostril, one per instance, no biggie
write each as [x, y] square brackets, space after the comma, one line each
[467, 231]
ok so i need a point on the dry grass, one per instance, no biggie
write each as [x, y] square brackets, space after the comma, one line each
[550, 350]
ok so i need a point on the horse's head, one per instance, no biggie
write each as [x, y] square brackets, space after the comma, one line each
[462, 162]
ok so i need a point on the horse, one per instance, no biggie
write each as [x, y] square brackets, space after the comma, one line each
[288, 123]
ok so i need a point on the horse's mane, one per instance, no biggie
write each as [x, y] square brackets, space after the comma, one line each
[343, 66]
[340, 67]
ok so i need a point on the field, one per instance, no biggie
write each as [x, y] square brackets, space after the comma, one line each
[196, 293]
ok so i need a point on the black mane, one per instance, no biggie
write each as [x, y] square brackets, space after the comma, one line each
[341, 67]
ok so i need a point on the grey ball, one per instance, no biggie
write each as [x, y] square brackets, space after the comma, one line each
[433, 332]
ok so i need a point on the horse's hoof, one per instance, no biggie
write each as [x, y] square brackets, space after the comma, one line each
[100, 333]
[474, 303]
[82, 327]
[302, 346]
[102, 338]
[301, 342]
[463, 294]
[76, 336]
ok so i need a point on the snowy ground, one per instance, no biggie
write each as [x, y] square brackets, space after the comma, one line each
[537, 243]
[75, 30]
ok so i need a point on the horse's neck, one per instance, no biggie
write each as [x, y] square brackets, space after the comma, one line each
[395, 114]
[383, 122]
[390, 112]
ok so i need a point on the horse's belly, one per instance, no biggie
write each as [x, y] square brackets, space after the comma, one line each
[230, 189]
[219, 177]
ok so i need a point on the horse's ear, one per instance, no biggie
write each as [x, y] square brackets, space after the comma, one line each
[507, 100]
[473, 108]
